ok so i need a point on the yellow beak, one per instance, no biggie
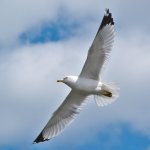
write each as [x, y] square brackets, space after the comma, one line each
[60, 81]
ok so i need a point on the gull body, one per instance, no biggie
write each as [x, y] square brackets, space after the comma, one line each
[86, 84]
[83, 85]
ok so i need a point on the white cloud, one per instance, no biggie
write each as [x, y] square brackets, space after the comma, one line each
[28, 92]
[18, 16]
[148, 148]
[28, 81]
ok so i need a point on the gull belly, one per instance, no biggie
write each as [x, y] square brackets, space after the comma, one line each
[87, 86]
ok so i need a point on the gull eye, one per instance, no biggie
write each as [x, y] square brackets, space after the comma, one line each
[65, 78]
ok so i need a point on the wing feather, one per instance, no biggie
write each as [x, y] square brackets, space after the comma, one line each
[62, 117]
[100, 48]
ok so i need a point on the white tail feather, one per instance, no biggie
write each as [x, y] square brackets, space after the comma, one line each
[113, 88]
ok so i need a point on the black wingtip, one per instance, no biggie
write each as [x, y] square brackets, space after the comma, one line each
[40, 138]
[107, 19]
[107, 11]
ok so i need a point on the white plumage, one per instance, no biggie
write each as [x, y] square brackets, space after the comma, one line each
[87, 83]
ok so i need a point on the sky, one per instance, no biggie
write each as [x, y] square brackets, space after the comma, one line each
[42, 41]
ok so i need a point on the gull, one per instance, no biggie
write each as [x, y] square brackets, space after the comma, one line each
[87, 83]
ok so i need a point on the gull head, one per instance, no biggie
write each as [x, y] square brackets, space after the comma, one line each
[69, 80]
[64, 80]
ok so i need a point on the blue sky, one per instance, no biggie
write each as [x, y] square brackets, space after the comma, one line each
[122, 140]
[37, 41]
[56, 30]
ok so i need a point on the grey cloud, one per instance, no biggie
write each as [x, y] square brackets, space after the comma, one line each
[28, 83]
[19, 16]
[28, 92]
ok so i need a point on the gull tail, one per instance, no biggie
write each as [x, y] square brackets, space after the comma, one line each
[108, 94]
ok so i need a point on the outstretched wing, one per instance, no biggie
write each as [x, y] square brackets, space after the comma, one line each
[62, 117]
[99, 49]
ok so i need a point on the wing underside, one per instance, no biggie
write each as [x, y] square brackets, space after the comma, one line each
[62, 117]
[100, 48]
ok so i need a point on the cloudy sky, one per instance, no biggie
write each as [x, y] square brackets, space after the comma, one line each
[42, 41]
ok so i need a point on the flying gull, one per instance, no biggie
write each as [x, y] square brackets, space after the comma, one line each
[86, 84]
